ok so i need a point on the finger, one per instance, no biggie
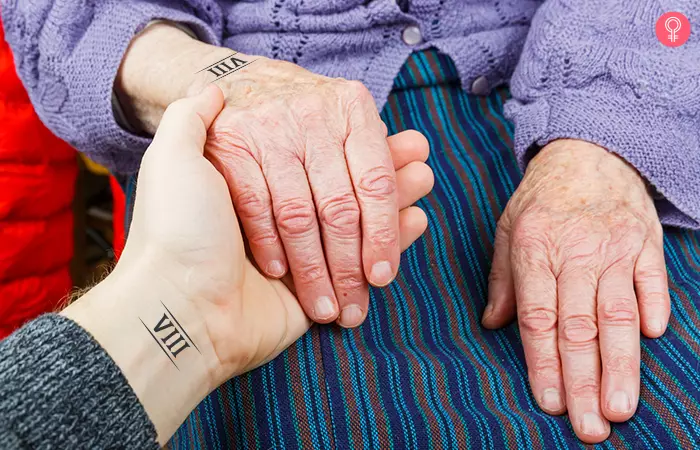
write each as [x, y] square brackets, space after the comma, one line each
[412, 224]
[500, 309]
[414, 181]
[295, 215]
[580, 357]
[252, 202]
[618, 324]
[183, 128]
[536, 294]
[651, 284]
[374, 180]
[408, 146]
[339, 221]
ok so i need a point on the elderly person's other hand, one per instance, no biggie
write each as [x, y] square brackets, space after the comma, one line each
[306, 160]
[579, 250]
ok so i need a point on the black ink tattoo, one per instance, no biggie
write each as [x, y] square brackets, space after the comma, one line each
[227, 66]
[170, 336]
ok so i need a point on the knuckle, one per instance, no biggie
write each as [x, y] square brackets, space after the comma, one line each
[296, 217]
[654, 300]
[310, 273]
[312, 107]
[578, 329]
[583, 388]
[358, 90]
[650, 274]
[498, 275]
[621, 311]
[622, 365]
[378, 182]
[349, 281]
[262, 237]
[384, 237]
[538, 319]
[252, 204]
[544, 367]
[340, 215]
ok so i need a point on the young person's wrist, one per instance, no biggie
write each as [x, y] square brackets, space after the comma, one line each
[157, 337]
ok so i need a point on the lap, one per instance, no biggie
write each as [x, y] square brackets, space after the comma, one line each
[422, 372]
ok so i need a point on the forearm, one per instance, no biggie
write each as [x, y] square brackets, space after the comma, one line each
[69, 69]
[59, 389]
[131, 349]
[157, 340]
[588, 72]
[162, 64]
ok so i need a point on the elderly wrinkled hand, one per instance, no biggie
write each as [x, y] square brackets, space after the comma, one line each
[311, 176]
[579, 250]
[186, 232]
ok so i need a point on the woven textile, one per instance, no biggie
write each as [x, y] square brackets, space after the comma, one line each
[421, 372]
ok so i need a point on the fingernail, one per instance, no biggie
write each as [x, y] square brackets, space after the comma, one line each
[656, 325]
[381, 273]
[350, 316]
[488, 311]
[551, 400]
[276, 268]
[619, 402]
[592, 425]
[324, 309]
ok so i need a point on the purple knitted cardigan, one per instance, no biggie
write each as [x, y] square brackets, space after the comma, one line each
[592, 69]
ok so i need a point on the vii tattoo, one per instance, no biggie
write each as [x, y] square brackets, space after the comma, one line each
[227, 66]
[170, 336]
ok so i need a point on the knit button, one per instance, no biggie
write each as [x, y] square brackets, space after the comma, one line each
[481, 87]
[411, 35]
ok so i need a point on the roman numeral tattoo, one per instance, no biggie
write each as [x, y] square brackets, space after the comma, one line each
[227, 66]
[170, 336]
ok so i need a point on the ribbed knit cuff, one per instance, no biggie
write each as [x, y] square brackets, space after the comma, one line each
[653, 140]
[95, 65]
[59, 389]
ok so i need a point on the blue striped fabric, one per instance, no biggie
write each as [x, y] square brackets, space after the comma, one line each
[422, 372]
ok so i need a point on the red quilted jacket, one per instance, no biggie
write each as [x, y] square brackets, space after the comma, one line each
[37, 184]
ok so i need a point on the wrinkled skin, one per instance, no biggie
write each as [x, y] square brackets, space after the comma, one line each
[579, 250]
[247, 317]
[311, 176]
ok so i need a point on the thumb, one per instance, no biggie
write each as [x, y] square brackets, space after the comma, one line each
[501, 297]
[183, 128]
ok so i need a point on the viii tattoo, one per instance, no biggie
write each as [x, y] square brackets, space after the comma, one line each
[170, 336]
[227, 66]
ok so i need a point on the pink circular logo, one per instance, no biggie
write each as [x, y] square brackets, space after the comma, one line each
[673, 29]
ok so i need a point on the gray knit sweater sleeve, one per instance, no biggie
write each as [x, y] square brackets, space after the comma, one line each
[59, 389]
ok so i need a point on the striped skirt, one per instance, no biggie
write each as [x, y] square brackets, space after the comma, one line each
[421, 372]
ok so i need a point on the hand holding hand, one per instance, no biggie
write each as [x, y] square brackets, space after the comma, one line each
[185, 257]
[311, 176]
[306, 159]
[579, 250]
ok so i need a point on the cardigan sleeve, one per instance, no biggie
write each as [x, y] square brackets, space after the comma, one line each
[595, 70]
[68, 52]
[60, 389]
